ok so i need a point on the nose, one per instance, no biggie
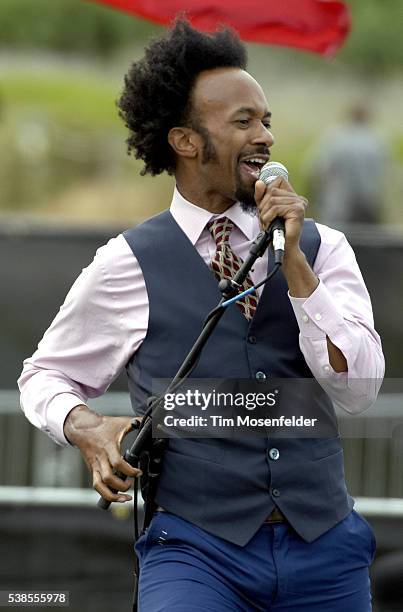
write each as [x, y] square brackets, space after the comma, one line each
[263, 136]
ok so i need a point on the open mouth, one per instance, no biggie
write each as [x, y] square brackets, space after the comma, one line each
[253, 165]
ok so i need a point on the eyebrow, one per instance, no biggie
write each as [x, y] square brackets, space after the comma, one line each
[250, 110]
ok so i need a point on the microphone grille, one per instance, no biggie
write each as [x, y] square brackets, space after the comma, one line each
[271, 171]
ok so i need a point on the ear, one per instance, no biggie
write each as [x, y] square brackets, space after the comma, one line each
[184, 141]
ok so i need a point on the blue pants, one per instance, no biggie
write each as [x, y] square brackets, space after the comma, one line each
[186, 569]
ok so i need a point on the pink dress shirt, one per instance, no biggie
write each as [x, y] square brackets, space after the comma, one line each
[104, 320]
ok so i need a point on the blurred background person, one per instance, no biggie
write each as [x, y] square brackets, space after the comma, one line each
[347, 170]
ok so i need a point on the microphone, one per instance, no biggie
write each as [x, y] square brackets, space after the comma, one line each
[268, 174]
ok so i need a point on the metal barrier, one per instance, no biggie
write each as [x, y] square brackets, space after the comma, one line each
[74, 497]
[373, 448]
[29, 458]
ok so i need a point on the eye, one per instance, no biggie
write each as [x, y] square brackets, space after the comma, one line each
[243, 122]
[267, 125]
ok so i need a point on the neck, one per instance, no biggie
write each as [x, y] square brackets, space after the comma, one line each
[203, 197]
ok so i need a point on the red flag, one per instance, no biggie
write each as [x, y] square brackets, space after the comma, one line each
[320, 26]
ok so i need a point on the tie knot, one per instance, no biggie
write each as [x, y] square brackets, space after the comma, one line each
[220, 229]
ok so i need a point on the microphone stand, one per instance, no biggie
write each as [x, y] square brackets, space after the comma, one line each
[150, 449]
[143, 441]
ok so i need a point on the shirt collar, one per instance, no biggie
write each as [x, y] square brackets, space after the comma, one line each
[192, 219]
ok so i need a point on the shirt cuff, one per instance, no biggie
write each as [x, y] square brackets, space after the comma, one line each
[57, 411]
[317, 316]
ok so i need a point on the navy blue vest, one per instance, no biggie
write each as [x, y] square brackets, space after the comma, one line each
[229, 486]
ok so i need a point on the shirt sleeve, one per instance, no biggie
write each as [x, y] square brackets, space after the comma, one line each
[104, 313]
[340, 308]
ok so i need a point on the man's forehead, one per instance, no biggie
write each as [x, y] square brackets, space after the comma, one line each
[228, 89]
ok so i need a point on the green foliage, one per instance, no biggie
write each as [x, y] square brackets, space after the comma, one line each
[376, 40]
[74, 26]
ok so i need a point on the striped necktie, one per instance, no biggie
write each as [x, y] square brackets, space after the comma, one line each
[226, 263]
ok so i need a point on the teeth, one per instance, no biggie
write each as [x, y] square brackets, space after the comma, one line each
[256, 160]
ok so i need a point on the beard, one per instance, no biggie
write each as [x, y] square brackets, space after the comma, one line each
[243, 194]
[245, 197]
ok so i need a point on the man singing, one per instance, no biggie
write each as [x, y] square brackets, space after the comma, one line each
[242, 524]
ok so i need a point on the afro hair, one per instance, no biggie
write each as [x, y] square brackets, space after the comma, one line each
[157, 91]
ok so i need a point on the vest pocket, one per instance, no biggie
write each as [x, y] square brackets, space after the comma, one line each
[324, 447]
[207, 449]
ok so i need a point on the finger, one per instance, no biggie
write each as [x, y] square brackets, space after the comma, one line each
[282, 183]
[126, 424]
[275, 191]
[136, 421]
[120, 465]
[286, 200]
[279, 185]
[281, 193]
[260, 190]
[274, 183]
[267, 216]
[112, 480]
[283, 209]
[106, 492]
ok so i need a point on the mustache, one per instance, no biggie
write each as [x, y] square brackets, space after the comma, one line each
[263, 150]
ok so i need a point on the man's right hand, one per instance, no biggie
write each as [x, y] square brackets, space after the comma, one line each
[99, 438]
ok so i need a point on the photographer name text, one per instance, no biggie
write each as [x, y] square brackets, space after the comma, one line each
[247, 420]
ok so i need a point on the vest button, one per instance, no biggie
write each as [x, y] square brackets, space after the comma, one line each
[260, 375]
[274, 454]
[275, 492]
[252, 339]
